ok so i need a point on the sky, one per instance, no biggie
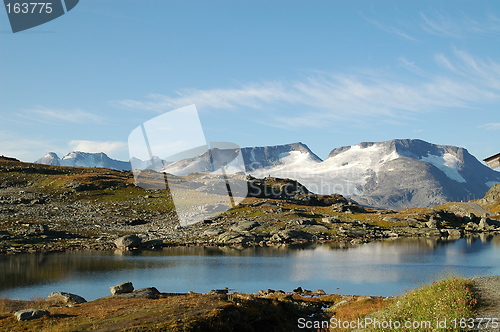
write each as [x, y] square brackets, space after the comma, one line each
[260, 72]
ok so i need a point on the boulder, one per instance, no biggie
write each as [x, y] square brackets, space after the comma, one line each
[432, 223]
[148, 292]
[455, 233]
[125, 287]
[319, 292]
[128, 241]
[66, 298]
[29, 314]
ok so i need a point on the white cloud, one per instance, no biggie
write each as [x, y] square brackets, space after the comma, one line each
[249, 96]
[335, 98]
[109, 147]
[77, 115]
[491, 126]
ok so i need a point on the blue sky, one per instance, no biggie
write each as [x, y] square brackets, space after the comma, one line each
[326, 73]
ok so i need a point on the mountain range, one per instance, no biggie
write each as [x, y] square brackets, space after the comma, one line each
[395, 174]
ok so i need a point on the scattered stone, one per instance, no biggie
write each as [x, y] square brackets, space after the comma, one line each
[298, 290]
[341, 303]
[66, 298]
[266, 292]
[135, 222]
[306, 222]
[330, 220]
[219, 291]
[245, 226]
[455, 233]
[233, 237]
[128, 241]
[213, 232]
[36, 230]
[29, 314]
[125, 287]
[290, 235]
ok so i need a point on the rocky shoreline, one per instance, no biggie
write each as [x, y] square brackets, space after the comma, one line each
[51, 208]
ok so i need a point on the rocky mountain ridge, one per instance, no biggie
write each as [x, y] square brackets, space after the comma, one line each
[395, 174]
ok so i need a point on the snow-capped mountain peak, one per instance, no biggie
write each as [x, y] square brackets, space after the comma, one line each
[84, 159]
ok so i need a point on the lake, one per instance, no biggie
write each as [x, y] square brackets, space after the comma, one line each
[379, 268]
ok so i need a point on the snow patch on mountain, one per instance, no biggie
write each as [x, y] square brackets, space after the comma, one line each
[448, 163]
[344, 173]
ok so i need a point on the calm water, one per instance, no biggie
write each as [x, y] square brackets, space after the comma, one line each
[381, 268]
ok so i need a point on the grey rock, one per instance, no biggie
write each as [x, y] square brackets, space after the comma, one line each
[66, 297]
[307, 222]
[219, 291]
[315, 228]
[213, 232]
[232, 237]
[455, 233]
[432, 223]
[330, 220]
[245, 226]
[392, 219]
[29, 314]
[125, 287]
[128, 241]
[36, 229]
[148, 292]
[291, 235]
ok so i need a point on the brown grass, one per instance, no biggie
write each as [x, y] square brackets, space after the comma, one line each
[196, 312]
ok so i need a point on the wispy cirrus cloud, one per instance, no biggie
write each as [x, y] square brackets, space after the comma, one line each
[252, 95]
[45, 114]
[491, 126]
[390, 29]
[329, 98]
[445, 26]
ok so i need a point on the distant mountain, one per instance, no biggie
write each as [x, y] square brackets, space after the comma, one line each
[394, 174]
[84, 159]
[295, 154]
